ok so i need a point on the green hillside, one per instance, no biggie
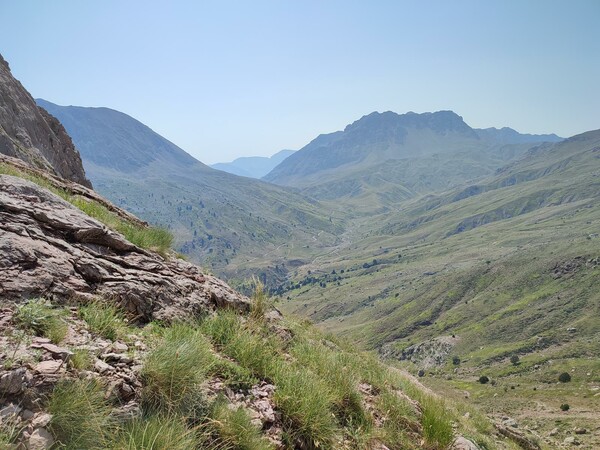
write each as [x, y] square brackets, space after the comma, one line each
[506, 267]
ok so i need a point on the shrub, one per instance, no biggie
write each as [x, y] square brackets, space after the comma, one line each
[483, 379]
[514, 359]
[174, 370]
[456, 360]
[40, 317]
[154, 433]
[565, 407]
[421, 373]
[80, 415]
[104, 319]
[564, 377]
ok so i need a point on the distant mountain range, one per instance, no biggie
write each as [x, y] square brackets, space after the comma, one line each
[383, 158]
[219, 219]
[253, 166]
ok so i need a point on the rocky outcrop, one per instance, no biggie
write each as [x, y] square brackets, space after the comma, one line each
[427, 354]
[49, 248]
[31, 134]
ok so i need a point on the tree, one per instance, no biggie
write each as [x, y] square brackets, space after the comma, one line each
[514, 359]
[456, 360]
[564, 377]
[483, 379]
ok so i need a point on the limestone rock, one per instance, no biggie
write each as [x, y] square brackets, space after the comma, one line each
[12, 382]
[40, 439]
[49, 248]
[462, 443]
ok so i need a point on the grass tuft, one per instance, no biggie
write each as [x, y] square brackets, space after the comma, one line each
[228, 428]
[175, 369]
[104, 319]
[39, 316]
[80, 415]
[155, 433]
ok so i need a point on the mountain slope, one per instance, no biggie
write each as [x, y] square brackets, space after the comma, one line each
[494, 254]
[31, 134]
[253, 166]
[385, 158]
[221, 220]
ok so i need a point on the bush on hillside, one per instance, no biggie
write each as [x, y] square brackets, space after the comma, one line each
[483, 379]
[564, 377]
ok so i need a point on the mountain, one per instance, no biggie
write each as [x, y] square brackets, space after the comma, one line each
[253, 166]
[384, 158]
[456, 283]
[235, 225]
[31, 134]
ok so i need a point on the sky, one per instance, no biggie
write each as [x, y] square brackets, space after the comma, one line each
[224, 79]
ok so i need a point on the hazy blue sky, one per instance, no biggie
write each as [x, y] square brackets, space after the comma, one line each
[223, 79]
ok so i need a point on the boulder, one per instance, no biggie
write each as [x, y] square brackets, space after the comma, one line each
[49, 248]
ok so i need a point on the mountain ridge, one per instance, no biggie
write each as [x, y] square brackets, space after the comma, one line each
[253, 166]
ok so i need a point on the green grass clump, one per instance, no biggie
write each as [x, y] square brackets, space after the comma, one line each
[306, 407]
[231, 429]
[436, 421]
[81, 359]
[337, 369]
[156, 433]
[261, 302]
[10, 429]
[40, 317]
[236, 377]
[174, 370]
[222, 327]
[80, 415]
[104, 319]
[400, 419]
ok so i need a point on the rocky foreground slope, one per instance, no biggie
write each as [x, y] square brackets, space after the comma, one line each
[105, 345]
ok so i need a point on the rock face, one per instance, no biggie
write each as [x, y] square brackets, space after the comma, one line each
[30, 133]
[50, 248]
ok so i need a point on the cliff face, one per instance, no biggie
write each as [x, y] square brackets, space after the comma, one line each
[30, 133]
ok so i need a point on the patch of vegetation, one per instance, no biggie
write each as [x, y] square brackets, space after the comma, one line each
[564, 377]
[174, 370]
[227, 428]
[80, 415]
[104, 319]
[81, 359]
[155, 432]
[565, 407]
[437, 426]
[40, 317]
[483, 379]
